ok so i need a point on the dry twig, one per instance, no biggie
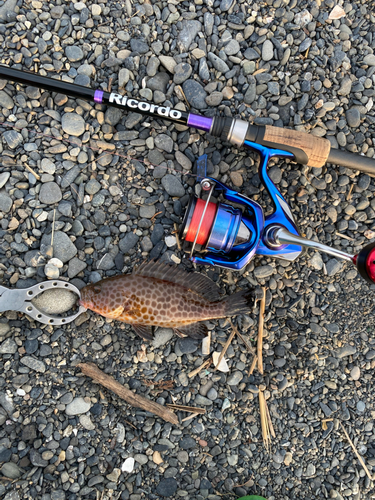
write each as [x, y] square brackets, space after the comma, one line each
[372, 478]
[253, 364]
[227, 344]
[205, 364]
[176, 236]
[53, 226]
[260, 332]
[110, 383]
[32, 171]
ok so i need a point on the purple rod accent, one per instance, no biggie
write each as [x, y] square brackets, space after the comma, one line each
[98, 96]
[200, 122]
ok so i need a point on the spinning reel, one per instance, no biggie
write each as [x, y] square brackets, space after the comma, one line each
[220, 234]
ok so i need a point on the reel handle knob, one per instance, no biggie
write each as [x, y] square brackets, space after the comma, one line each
[365, 262]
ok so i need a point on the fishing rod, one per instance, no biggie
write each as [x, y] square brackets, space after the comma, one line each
[305, 148]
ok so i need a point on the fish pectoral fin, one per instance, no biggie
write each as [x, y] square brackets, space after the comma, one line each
[144, 331]
[116, 312]
[195, 331]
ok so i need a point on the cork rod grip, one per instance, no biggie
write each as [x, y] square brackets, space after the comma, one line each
[316, 149]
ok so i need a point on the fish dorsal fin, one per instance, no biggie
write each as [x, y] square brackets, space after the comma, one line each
[197, 282]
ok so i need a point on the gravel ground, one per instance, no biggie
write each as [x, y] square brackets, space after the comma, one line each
[114, 184]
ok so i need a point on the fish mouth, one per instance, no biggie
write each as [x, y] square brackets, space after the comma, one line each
[82, 303]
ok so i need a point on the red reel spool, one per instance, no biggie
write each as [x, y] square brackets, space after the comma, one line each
[207, 222]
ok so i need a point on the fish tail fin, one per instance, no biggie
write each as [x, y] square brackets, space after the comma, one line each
[238, 303]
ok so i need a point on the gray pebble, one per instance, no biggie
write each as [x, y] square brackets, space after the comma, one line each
[355, 373]
[195, 94]
[50, 193]
[186, 36]
[182, 72]
[8, 347]
[34, 364]
[5, 100]
[73, 124]
[235, 378]
[267, 50]
[13, 138]
[128, 242]
[346, 350]
[77, 407]
[218, 63]
[5, 202]
[164, 142]
[74, 53]
[333, 267]
[162, 336]
[63, 247]
[261, 272]
[172, 185]
[353, 117]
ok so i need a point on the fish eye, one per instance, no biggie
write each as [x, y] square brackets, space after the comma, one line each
[97, 289]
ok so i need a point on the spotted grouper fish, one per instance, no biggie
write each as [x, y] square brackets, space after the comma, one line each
[157, 294]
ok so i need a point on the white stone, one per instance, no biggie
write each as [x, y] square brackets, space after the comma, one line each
[128, 465]
[96, 9]
[56, 262]
[170, 241]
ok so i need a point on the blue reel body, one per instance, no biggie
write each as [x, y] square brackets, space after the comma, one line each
[237, 234]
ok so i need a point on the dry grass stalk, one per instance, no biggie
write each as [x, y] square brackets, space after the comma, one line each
[190, 409]
[253, 364]
[260, 332]
[372, 478]
[206, 364]
[344, 236]
[53, 226]
[32, 171]
[324, 423]
[189, 417]
[176, 236]
[264, 421]
[227, 344]
[270, 424]
[110, 81]
[349, 196]
[206, 344]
